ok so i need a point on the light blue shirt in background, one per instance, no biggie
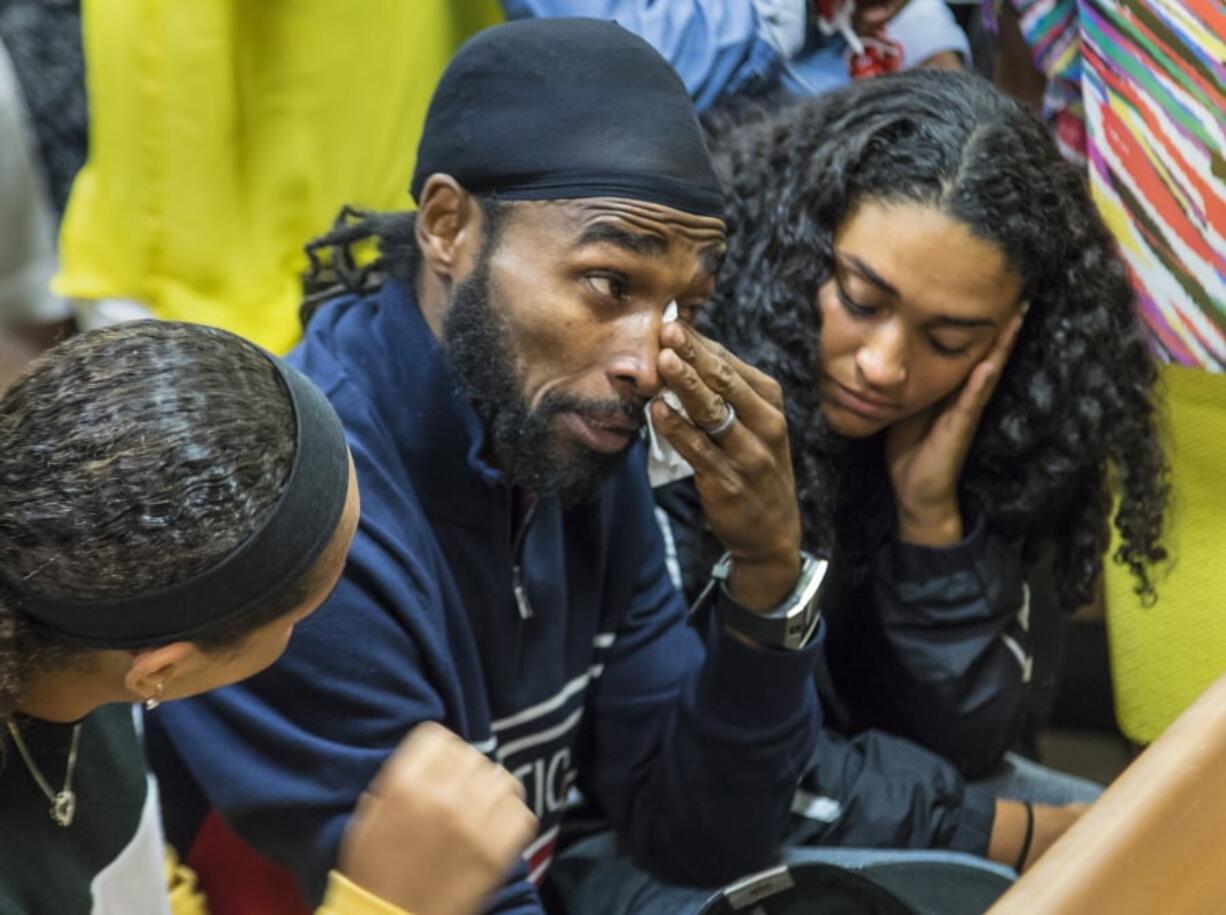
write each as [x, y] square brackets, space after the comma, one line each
[731, 47]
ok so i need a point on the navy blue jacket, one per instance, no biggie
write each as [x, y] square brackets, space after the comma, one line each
[693, 751]
[923, 680]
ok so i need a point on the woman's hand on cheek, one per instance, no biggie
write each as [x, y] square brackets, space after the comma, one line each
[925, 453]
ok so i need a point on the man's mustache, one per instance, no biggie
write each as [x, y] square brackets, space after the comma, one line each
[624, 414]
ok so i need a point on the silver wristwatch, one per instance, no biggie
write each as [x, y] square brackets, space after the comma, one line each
[790, 625]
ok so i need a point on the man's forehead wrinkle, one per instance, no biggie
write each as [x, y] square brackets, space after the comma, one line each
[630, 224]
[652, 217]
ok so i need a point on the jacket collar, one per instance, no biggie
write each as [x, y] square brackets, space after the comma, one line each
[433, 424]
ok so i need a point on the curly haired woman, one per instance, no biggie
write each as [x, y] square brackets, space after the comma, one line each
[967, 387]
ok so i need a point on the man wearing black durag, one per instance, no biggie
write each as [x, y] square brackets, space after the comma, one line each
[508, 578]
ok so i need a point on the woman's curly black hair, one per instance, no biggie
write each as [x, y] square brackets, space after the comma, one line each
[1074, 418]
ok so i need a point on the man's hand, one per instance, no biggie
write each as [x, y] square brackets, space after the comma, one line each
[1009, 830]
[925, 453]
[438, 828]
[744, 477]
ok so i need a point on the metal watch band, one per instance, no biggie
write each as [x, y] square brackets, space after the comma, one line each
[791, 624]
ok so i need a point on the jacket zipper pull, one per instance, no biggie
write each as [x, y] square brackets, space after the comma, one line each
[521, 598]
[524, 606]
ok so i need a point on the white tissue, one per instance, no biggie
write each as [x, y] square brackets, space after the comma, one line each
[664, 463]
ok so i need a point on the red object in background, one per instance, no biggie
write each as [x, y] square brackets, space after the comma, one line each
[880, 56]
[870, 55]
[238, 880]
[827, 9]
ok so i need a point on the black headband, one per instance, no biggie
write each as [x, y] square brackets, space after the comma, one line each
[276, 555]
[558, 109]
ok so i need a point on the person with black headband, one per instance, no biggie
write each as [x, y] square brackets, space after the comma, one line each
[173, 501]
[493, 369]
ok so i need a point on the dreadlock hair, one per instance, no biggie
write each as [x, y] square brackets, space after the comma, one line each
[1074, 413]
[334, 268]
[132, 458]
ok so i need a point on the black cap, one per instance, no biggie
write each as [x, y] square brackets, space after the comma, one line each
[553, 109]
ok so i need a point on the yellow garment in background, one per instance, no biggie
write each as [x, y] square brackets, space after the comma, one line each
[1163, 657]
[224, 134]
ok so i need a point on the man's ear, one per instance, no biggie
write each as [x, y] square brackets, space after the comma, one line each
[153, 670]
[448, 228]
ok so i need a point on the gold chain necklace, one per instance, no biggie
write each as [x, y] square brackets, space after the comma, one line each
[64, 801]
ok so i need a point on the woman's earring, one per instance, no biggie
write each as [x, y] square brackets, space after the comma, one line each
[154, 701]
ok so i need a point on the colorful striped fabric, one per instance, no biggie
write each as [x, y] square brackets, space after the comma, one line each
[1050, 28]
[1136, 89]
[1153, 76]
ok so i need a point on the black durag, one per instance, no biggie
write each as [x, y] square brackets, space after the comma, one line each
[559, 109]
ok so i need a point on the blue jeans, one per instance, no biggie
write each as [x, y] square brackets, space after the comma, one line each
[1019, 779]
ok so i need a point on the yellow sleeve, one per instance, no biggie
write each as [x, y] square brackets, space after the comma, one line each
[185, 896]
[343, 897]
[347, 898]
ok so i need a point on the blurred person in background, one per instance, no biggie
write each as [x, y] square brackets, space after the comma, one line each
[728, 49]
[31, 316]
[223, 135]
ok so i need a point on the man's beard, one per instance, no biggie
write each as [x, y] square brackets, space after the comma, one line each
[526, 449]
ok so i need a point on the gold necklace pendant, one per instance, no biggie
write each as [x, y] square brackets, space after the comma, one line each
[64, 807]
[63, 802]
